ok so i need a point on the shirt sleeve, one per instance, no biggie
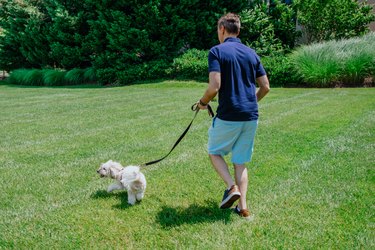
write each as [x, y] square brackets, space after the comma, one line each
[213, 62]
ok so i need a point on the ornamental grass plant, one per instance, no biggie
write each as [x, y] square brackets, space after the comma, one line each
[336, 63]
[52, 77]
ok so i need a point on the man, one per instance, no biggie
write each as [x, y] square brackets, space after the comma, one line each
[234, 70]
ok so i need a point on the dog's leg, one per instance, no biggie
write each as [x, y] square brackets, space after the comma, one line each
[140, 196]
[114, 186]
[131, 198]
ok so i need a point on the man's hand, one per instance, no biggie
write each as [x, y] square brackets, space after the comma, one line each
[201, 105]
[264, 87]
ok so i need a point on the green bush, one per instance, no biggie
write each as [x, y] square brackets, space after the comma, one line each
[193, 64]
[257, 32]
[270, 29]
[333, 19]
[152, 70]
[345, 62]
[280, 71]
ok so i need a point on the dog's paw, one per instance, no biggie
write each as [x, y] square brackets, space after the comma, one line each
[131, 199]
[140, 196]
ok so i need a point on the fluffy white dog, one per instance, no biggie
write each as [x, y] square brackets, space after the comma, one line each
[129, 178]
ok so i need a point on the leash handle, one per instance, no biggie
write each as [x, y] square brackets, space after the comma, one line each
[193, 108]
[209, 109]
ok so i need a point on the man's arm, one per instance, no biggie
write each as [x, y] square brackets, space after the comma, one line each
[264, 87]
[212, 89]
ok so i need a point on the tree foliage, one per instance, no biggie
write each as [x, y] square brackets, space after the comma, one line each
[333, 19]
[128, 39]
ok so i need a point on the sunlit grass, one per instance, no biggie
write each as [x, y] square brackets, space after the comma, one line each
[311, 179]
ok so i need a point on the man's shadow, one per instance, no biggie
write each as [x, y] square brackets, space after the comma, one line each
[122, 196]
[170, 217]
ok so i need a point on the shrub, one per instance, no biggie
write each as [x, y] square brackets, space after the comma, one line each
[152, 70]
[257, 32]
[193, 64]
[269, 28]
[280, 71]
[333, 19]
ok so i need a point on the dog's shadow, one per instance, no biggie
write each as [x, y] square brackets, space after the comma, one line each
[170, 217]
[122, 196]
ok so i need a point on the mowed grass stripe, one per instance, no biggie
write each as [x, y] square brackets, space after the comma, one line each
[321, 195]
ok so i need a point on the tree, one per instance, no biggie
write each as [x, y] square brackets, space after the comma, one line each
[333, 19]
[269, 27]
[16, 21]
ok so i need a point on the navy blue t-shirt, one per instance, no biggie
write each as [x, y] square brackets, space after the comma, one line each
[239, 66]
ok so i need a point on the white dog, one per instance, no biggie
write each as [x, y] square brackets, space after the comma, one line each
[129, 178]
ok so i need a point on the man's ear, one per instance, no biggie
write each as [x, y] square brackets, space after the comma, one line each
[222, 29]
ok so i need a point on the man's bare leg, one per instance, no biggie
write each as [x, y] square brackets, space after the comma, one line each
[221, 168]
[241, 177]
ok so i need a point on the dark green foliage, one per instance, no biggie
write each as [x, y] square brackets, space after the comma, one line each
[147, 71]
[133, 40]
[89, 75]
[133, 33]
[13, 25]
[74, 76]
[280, 71]
[54, 78]
[105, 34]
[191, 65]
[333, 19]
[269, 28]
[258, 32]
[18, 77]
[34, 77]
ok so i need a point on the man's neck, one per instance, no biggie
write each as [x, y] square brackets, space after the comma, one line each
[228, 36]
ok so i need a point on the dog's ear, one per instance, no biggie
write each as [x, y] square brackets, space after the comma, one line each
[113, 172]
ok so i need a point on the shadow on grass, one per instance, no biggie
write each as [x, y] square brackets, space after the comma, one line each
[121, 195]
[170, 217]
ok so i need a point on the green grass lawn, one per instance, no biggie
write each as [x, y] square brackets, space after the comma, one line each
[311, 179]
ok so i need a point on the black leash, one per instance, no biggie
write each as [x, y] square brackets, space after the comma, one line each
[193, 108]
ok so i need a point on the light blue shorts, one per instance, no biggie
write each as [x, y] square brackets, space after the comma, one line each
[235, 137]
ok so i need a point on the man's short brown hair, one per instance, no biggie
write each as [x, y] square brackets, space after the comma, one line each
[231, 23]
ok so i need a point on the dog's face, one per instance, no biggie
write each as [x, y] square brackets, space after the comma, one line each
[109, 169]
